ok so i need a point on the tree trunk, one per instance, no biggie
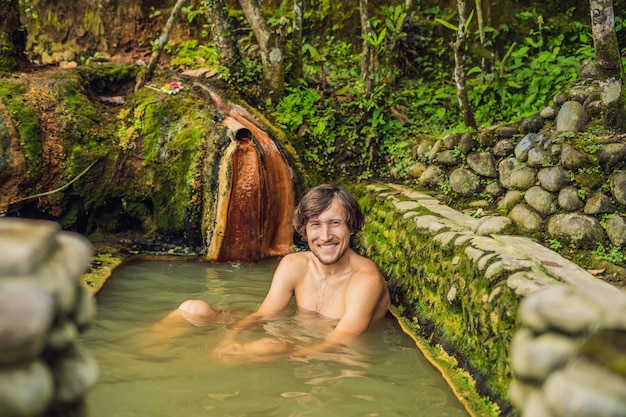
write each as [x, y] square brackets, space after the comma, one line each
[480, 19]
[12, 36]
[298, 10]
[459, 67]
[223, 37]
[160, 44]
[608, 62]
[272, 58]
[367, 55]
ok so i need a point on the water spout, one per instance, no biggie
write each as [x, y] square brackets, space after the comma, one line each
[255, 194]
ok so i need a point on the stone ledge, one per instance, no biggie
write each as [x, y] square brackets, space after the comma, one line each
[442, 216]
[461, 279]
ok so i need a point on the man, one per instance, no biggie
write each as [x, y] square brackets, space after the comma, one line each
[329, 279]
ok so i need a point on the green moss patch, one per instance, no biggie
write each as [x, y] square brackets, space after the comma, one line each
[436, 285]
[25, 118]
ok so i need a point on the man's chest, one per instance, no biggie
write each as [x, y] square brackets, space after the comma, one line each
[325, 297]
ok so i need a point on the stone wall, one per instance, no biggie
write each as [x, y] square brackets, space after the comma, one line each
[43, 308]
[549, 172]
[461, 281]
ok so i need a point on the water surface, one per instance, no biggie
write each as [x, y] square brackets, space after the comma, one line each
[383, 374]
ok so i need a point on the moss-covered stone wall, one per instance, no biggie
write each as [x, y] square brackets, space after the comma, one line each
[457, 279]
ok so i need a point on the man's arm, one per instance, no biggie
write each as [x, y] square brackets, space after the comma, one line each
[277, 298]
[283, 284]
[363, 296]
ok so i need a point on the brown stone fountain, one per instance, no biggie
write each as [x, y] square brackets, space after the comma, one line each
[255, 194]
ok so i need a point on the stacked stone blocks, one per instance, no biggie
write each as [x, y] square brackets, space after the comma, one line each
[569, 358]
[544, 173]
[43, 308]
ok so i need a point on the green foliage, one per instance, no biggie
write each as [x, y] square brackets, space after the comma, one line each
[589, 143]
[332, 61]
[614, 255]
[385, 39]
[555, 244]
[28, 9]
[487, 197]
[351, 137]
[154, 12]
[247, 82]
[345, 131]
[445, 187]
[193, 54]
[525, 80]
[192, 12]
[511, 81]
[603, 219]
[430, 104]
[96, 57]
[305, 110]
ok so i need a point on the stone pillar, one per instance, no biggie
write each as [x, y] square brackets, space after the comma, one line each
[43, 309]
[569, 359]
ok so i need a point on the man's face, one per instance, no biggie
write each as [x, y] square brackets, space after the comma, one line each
[328, 234]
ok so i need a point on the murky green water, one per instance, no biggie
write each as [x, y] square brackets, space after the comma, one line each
[384, 374]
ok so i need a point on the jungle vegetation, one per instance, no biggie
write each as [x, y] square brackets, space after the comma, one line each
[357, 84]
[359, 92]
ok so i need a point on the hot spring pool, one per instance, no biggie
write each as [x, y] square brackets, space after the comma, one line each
[384, 374]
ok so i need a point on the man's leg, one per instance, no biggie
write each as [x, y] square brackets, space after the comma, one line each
[197, 312]
[176, 323]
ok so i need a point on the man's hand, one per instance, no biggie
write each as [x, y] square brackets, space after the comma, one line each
[262, 350]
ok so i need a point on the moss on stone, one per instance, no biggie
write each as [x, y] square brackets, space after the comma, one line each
[100, 270]
[461, 382]
[107, 79]
[81, 125]
[26, 121]
[421, 274]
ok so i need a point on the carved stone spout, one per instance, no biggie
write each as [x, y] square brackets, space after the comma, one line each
[255, 197]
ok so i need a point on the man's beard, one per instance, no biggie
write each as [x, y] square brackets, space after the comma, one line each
[333, 260]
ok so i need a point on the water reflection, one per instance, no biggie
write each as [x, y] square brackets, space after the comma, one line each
[383, 374]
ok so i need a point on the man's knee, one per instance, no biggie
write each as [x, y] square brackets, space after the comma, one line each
[197, 312]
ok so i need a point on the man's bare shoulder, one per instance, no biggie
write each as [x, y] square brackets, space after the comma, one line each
[296, 258]
[364, 266]
[292, 262]
[366, 273]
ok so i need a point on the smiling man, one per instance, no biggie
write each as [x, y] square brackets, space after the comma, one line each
[330, 280]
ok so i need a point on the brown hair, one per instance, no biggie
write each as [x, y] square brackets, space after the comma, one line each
[318, 199]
